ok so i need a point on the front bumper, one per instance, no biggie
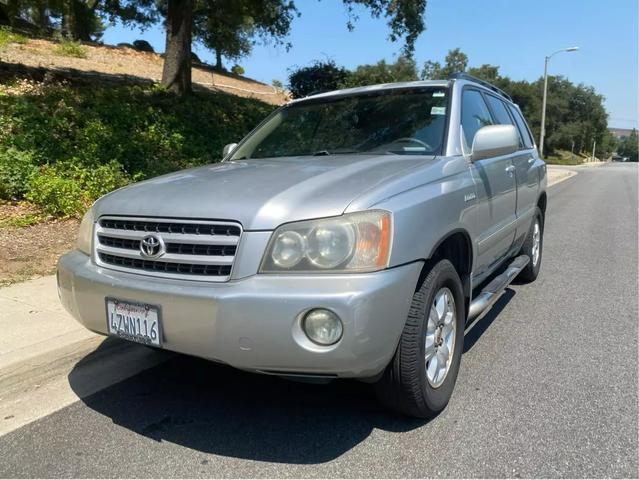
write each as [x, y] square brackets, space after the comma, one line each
[253, 323]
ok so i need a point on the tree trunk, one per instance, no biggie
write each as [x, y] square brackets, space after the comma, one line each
[218, 60]
[176, 74]
[4, 15]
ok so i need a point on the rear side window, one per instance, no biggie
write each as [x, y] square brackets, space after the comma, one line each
[523, 129]
[499, 109]
[475, 114]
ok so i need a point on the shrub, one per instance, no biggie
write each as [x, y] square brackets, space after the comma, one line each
[67, 48]
[16, 168]
[8, 36]
[237, 69]
[320, 76]
[63, 146]
[143, 46]
[68, 189]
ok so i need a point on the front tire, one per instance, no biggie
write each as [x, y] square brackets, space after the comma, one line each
[420, 378]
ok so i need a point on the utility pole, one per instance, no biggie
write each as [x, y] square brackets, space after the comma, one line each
[594, 144]
[572, 152]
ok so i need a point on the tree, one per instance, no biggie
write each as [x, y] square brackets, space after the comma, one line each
[629, 146]
[403, 70]
[176, 72]
[405, 20]
[455, 61]
[320, 76]
[230, 27]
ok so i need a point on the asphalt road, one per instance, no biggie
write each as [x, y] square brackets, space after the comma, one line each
[548, 387]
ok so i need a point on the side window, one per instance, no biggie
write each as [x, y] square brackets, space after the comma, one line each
[523, 128]
[475, 114]
[499, 109]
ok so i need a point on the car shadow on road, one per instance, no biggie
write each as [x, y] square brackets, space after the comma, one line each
[215, 409]
[219, 410]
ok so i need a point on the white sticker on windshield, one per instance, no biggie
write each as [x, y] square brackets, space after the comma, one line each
[439, 94]
[438, 111]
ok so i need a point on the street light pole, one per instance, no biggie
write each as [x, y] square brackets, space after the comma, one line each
[542, 134]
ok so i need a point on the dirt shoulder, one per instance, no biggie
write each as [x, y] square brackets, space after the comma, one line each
[31, 251]
[125, 61]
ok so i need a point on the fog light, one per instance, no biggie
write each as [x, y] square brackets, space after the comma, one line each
[322, 326]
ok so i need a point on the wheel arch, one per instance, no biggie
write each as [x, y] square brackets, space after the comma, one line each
[456, 246]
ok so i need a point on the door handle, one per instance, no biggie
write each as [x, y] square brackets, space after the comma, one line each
[510, 170]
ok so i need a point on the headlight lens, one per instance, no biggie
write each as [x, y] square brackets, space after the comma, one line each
[85, 235]
[356, 242]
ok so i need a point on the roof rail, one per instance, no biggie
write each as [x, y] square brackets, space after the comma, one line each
[465, 76]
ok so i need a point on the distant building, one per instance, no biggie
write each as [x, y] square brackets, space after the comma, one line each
[620, 132]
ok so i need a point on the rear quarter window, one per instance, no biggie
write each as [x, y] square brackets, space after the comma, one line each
[523, 128]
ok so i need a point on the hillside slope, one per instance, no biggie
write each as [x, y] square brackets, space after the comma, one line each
[126, 62]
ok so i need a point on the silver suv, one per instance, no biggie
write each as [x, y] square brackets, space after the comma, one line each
[352, 234]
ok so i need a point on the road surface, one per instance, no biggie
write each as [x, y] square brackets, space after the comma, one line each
[548, 387]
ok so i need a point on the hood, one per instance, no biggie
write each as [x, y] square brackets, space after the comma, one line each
[261, 194]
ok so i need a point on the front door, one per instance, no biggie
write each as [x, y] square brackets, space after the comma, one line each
[495, 218]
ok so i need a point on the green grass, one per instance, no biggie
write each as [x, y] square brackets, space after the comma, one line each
[23, 221]
[8, 36]
[563, 157]
[67, 48]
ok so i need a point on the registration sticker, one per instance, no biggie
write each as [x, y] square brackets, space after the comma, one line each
[438, 111]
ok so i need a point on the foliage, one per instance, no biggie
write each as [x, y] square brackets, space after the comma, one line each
[230, 27]
[629, 146]
[62, 147]
[143, 46]
[68, 48]
[320, 76]
[405, 18]
[9, 36]
[68, 189]
[455, 61]
[16, 168]
[277, 83]
[237, 70]
[403, 70]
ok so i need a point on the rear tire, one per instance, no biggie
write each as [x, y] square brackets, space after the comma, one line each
[533, 247]
[418, 382]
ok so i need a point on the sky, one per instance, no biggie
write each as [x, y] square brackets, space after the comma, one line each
[516, 35]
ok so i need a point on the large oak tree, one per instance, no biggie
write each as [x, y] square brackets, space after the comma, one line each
[405, 20]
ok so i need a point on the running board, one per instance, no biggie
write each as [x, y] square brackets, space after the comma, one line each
[491, 292]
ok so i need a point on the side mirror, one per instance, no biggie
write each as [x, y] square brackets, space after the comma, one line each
[228, 148]
[493, 141]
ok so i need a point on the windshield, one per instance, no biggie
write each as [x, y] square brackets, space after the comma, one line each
[399, 121]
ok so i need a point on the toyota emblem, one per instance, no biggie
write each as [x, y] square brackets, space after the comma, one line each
[152, 246]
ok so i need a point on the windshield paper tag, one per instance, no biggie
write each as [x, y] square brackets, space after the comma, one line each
[439, 94]
[438, 111]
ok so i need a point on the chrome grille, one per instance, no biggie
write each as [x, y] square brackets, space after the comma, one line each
[193, 250]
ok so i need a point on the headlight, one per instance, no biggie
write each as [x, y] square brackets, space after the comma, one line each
[355, 242]
[85, 235]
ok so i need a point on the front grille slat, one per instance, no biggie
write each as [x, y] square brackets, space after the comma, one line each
[197, 250]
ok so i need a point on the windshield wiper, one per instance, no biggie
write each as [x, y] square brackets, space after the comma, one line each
[320, 153]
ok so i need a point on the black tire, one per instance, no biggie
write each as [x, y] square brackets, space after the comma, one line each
[529, 274]
[403, 386]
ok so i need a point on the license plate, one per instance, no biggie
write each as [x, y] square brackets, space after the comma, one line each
[133, 321]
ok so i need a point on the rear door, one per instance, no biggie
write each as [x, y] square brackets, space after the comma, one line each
[496, 188]
[527, 165]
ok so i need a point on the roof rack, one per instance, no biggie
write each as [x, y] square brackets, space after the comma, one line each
[465, 76]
